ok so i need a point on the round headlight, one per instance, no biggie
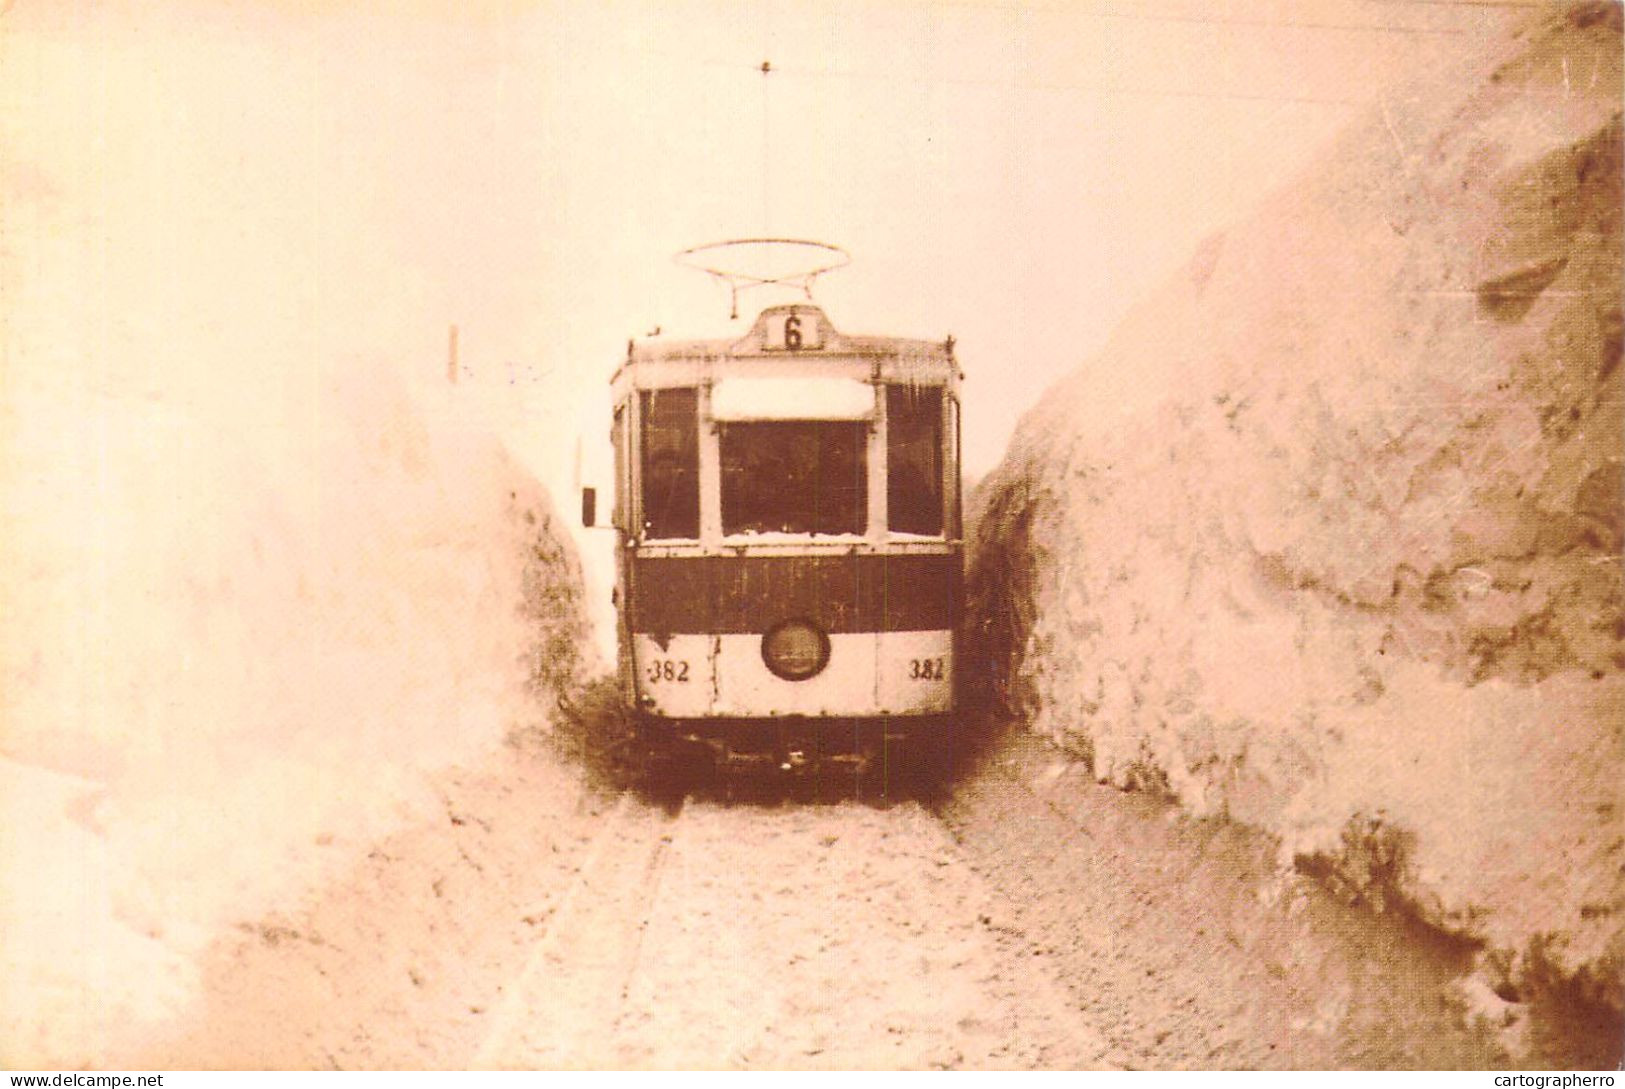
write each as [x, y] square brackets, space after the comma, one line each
[795, 650]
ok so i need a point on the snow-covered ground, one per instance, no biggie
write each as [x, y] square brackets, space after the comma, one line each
[1328, 538]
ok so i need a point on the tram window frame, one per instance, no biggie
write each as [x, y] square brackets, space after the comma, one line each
[785, 503]
[955, 486]
[669, 454]
[619, 517]
[916, 474]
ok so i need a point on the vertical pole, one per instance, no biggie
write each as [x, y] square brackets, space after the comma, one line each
[710, 468]
[767, 154]
[878, 470]
[451, 356]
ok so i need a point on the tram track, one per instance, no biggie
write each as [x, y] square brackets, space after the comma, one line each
[1027, 920]
[584, 962]
[772, 935]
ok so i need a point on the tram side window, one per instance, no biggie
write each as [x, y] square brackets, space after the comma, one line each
[914, 459]
[794, 476]
[671, 464]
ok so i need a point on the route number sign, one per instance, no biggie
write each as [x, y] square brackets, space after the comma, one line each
[794, 331]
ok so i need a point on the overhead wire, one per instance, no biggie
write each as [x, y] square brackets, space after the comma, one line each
[1114, 11]
[1118, 10]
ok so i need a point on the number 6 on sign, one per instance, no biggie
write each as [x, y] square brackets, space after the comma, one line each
[793, 331]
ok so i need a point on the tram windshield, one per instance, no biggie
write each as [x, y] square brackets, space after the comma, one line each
[671, 464]
[794, 476]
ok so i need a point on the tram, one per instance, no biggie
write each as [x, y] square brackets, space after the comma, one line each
[787, 508]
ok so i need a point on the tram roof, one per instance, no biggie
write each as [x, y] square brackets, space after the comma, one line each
[799, 336]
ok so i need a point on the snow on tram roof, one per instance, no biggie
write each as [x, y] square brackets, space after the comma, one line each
[792, 331]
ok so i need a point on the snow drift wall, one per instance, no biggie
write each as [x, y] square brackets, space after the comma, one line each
[240, 626]
[1328, 538]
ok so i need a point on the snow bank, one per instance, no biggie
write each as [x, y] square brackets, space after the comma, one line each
[240, 629]
[261, 567]
[1328, 539]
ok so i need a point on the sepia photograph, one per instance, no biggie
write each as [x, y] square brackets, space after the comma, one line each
[811, 535]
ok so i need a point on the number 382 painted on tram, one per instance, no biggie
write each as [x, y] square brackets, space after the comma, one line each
[789, 560]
